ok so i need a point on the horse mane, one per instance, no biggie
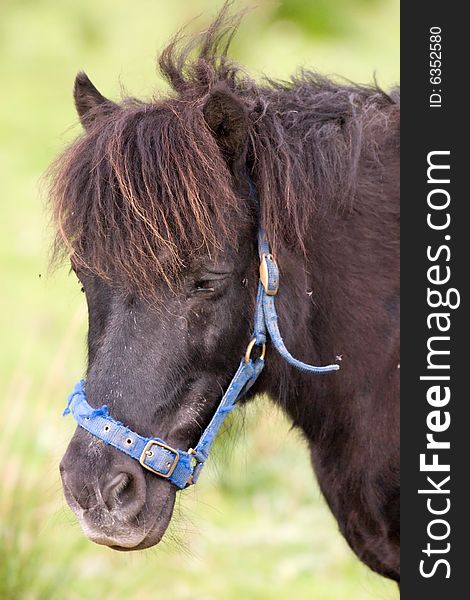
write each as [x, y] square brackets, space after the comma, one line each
[146, 187]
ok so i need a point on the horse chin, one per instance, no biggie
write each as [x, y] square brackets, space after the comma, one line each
[106, 529]
[156, 533]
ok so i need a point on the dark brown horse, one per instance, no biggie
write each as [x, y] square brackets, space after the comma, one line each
[154, 205]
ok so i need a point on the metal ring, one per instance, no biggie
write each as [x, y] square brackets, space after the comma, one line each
[250, 348]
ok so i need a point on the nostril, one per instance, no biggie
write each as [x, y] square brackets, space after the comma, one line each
[124, 492]
[114, 491]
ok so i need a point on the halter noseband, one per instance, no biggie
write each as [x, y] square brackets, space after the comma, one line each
[181, 467]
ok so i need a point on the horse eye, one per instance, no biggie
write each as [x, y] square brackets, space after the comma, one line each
[204, 286]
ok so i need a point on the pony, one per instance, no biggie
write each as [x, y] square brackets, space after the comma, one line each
[158, 205]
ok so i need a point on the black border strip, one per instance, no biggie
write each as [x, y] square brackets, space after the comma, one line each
[425, 129]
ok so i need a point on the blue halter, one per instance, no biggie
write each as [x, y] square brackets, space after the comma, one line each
[181, 467]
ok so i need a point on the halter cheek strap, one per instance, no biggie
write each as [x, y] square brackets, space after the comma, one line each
[182, 467]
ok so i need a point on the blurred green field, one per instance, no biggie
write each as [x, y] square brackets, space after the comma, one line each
[261, 532]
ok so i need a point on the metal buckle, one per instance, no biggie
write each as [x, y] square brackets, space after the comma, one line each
[250, 348]
[148, 452]
[264, 275]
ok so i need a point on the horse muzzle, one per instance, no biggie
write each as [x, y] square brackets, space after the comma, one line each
[121, 506]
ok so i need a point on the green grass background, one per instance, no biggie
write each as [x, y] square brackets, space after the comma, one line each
[255, 526]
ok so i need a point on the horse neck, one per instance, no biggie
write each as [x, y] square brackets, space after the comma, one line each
[340, 295]
[304, 320]
[335, 301]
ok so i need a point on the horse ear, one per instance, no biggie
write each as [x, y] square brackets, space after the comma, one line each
[227, 118]
[88, 100]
